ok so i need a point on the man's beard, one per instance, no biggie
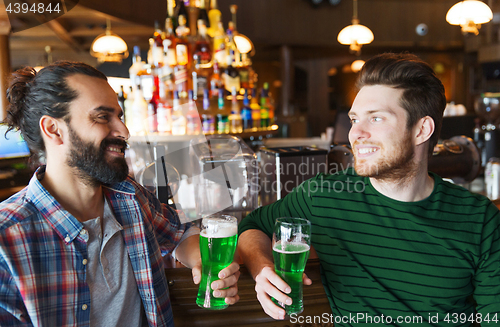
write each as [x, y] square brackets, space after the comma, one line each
[93, 167]
[397, 166]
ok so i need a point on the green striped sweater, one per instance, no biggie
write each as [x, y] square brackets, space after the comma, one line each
[412, 263]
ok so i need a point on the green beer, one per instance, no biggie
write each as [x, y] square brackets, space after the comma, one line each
[217, 246]
[289, 263]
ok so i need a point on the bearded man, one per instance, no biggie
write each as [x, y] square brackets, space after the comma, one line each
[82, 244]
[407, 245]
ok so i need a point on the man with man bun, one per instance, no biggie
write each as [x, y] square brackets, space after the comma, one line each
[82, 244]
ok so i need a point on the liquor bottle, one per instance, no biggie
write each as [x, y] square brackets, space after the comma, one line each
[193, 125]
[269, 104]
[157, 47]
[136, 69]
[178, 119]
[244, 70]
[207, 119]
[199, 77]
[202, 14]
[138, 122]
[149, 57]
[128, 106]
[202, 47]
[169, 46]
[164, 116]
[146, 75]
[235, 122]
[182, 55]
[214, 17]
[254, 105]
[153, 105]
[122, 97]
[222, 117]
[246, 113]
[264, 110]
[231, 76]
[231, 48]
[232, 26]
[215, 81]
[182, 11]
[169, 60]
[152, 122]
[219, 45]
[171, 9]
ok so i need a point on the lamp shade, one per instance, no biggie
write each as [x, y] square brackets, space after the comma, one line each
[109, 43]
[109, 47]
[465, 12]
[355, 34]
[243, 43]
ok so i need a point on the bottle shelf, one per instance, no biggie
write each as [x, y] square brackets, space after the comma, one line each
[164, 138]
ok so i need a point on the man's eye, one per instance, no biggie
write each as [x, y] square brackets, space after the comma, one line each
[354, 121]
[102, 117]
[376, 119]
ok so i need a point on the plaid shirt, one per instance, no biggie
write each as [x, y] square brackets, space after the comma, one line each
[43, 252]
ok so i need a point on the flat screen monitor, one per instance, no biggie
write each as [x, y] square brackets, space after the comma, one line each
[12, 145]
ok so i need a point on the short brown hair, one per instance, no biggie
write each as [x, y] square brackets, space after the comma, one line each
[423, 93]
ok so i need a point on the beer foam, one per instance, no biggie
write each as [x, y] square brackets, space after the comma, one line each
[219, 229]
[297, 246]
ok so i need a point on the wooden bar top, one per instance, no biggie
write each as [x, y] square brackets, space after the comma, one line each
[248, 311]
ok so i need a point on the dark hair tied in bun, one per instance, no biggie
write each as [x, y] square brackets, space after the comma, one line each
[32, 95]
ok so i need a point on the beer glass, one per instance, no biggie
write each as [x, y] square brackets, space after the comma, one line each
[218, 239]
[291, 244]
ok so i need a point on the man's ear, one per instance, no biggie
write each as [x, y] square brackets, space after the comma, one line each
[424, 129]
[51, 129]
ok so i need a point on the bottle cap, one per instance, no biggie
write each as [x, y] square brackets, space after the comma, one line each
[137, 50]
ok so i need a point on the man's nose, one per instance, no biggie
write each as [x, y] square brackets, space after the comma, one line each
[121, 131]
[357, 131]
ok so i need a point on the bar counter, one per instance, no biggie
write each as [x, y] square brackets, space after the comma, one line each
[247, 312]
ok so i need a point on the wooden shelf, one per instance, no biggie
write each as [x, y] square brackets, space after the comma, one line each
[164, 138]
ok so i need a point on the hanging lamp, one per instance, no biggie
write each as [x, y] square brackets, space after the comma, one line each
[469, 14]
[109, 47]
[355, 35]
[242, 42]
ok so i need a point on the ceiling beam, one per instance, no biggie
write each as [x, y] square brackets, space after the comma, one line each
[60, 32]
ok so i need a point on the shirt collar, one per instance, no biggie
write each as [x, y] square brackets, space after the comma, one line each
[65, 224]
[126, 187]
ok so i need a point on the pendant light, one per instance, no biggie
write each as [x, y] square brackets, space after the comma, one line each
[109, 47]
[355, 35]
[469, 14]
[242, 42]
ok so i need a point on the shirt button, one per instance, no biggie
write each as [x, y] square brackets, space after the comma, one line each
[83, 232]
[67, 239]
[84, 262]
[84, 307]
